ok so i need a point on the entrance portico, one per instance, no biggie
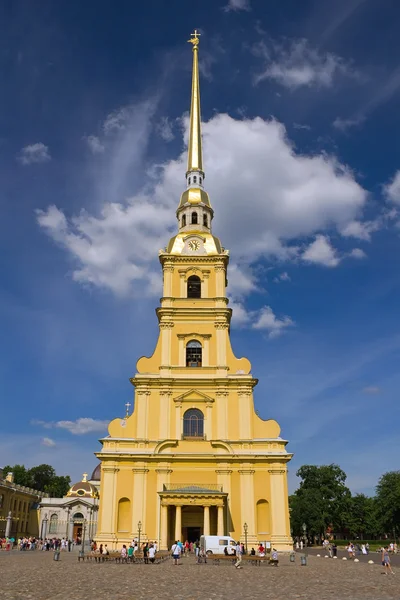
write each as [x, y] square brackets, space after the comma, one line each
[191, 511]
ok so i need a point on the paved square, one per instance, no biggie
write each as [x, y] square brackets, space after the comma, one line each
[26, 575]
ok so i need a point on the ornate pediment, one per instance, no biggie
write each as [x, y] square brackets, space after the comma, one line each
[194, 396]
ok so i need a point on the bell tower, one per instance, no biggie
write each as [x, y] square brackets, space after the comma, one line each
[194, 458]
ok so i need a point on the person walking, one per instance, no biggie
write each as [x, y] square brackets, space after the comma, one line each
[238, 556]
[386, 561]
[176, 551]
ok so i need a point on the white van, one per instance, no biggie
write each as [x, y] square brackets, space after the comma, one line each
[216, 544]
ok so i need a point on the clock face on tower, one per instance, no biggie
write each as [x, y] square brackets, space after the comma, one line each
[193, 245]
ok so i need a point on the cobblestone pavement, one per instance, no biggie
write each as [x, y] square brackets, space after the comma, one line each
[26, 575]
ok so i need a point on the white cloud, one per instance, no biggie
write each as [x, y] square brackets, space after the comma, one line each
[357, 253]
[117, 247]
[236, 5]
[371, 389]
[241, 317]
[94, 144]
[48, 442]
[282, 277]
[117, 120]
[294, 64]
[361, 230]
[165, 129]
[345, 124]
[270, 322]
[392, 189]
[301, 126]
[78, 427]
[34, 153]
[321, 252]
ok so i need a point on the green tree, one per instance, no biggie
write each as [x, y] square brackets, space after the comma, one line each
[22, 475]
[59, 486]
[388, 500]
[42, 476]
[363, 516]
[321, 501]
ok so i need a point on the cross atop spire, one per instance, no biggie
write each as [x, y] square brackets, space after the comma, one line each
[194, 38]
[195, 154]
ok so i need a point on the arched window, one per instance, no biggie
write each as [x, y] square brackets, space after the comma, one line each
[124, 514]
[195, 179]
[194, 218]
[194, 287]
[193, 423]
[205, 221]
[184, 221]
[53, 526]
[189, 181]
[193, 354]
[199, 179]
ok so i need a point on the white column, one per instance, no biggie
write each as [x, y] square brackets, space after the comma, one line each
[178, 523]
[164, 527]
[220, 529]
[206, 527]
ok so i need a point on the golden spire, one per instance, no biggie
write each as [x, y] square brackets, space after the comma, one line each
[195, 155]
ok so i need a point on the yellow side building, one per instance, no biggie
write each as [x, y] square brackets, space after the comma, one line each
[194, 457]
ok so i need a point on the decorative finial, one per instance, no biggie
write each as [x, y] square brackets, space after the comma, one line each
[194, 38]
[84, 477]
[128, 404]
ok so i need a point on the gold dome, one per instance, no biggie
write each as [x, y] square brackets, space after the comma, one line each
[194, 196]
[83, 489]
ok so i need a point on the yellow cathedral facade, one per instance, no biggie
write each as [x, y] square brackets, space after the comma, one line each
[194, 458]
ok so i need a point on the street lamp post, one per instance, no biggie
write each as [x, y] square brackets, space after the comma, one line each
[304, 527]
[245, 528]
[82, 551]
[139, 526]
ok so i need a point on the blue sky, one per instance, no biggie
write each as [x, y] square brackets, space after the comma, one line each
[301, 129]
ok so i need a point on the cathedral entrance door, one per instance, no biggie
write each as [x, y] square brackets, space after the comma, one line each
[193, 534]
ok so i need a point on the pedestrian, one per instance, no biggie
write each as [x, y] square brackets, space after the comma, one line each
[386, 561]
[238, 556]
[334, 549]
[152, 553]
[176, 552]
